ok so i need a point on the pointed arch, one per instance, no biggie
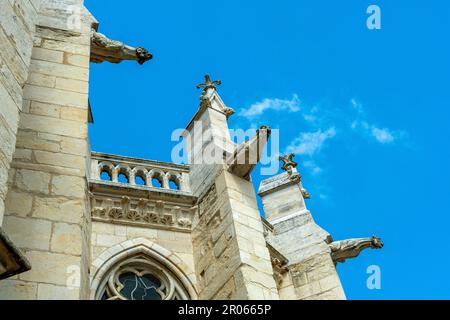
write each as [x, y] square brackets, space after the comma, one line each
[104, 263]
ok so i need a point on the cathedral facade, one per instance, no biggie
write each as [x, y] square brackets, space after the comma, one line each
[77, 224]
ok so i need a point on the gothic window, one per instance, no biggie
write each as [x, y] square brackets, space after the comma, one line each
[141, 278]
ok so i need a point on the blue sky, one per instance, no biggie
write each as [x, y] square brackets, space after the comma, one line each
[366, 110]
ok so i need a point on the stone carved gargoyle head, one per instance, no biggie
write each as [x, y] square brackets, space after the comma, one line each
[143, 55]
[377, 243]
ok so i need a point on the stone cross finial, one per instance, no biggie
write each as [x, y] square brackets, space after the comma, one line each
[209, 84]
[288, 162]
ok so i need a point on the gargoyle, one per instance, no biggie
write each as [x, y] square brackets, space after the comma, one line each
[248, 154]
[348, 249]
[105, 49]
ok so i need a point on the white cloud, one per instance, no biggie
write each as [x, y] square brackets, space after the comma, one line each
[312, 167]
[381, 135]
[357, 105]
[309, 143]
[258, 108]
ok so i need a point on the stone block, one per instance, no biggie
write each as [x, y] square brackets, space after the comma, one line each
[17, 290]
[72, 85]
[28, 233]
[135, 232]
[55, 96]
[51, 268]
[59, 70]
[45, 109]
[54, 126]
[22, 154]
[75, 114]
[60, 159]
[59, 209]
[18, 203]
[102, 228]
[33, 181]
[41, 80]
[66, 238]
[48, 55]
[52, 292]
[31, 140]
[73, 187]
[76, 60]
[109, 240]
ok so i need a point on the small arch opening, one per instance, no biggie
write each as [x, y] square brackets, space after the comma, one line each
[122, 178]
[140, 181]
[105, 176]
[174, 185]
[156, 183]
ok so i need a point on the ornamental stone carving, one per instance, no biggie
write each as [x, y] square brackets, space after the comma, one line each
[141, 212]
[105, 49]
[348, 249]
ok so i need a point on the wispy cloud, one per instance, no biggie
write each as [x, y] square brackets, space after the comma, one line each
[309, 143]
[357, 105]
[382, 135]
[258, 108]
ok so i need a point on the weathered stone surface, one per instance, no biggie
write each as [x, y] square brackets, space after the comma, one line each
[48, 55]
[50, 95]
[52, 292]
[54, 126]
[28, 233]
[17, 290]
[42, 80]
[72, 85]
[19, 203]
[59, 159]
[58, 209]
[66, 238]
[53, 267]
[72, 187]
[33, 181]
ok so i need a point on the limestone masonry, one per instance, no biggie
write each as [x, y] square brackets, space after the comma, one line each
[77, 224]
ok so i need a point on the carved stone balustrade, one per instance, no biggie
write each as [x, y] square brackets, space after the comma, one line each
[117, 197]
[112, 167]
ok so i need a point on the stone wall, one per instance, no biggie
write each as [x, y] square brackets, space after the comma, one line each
[46, 208]
[17, 26]
[232, 260]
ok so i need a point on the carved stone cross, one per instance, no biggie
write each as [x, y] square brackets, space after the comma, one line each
[288, 162]
[209, 84]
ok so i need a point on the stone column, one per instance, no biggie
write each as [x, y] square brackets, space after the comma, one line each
[46, 211]
[230, 253]
[312, 274]
[17, 26]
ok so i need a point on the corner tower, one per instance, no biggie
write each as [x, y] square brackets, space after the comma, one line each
[231, 258]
